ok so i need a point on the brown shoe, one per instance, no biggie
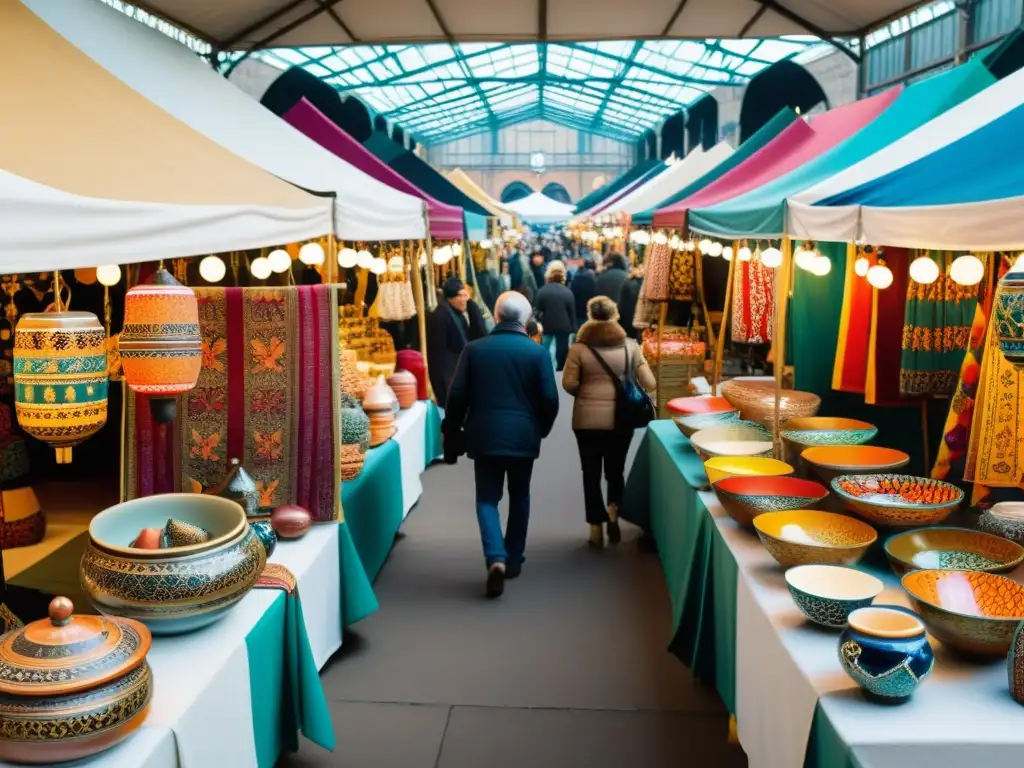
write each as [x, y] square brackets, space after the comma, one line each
[496, 580]
[596, 537]
[614, 532]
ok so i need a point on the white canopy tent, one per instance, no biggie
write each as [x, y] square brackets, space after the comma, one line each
[171, 76]
[676, 177]
[538, 208]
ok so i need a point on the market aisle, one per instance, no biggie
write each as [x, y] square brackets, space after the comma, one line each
[568, 668]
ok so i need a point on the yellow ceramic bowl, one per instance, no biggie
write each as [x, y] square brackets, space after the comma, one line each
[971, 611]
[952, 549]
[804, 536]
[721, 467]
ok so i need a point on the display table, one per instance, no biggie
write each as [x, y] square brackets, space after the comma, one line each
[740, 630]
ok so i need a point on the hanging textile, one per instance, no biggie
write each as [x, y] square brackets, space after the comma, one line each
[394, 300]
[936, 330]
[646, 312]
[682, 281]
[851, 366]
[658, 272]
[950, 463]
[885, 342]
[753, 301]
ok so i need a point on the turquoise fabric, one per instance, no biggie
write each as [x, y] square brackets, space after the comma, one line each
[373, 505]
[476, 226]
[825, 748]
[762, 136]
[357, 598]
[762, 212]
[284, 683]
[435, 446]
[637, 500]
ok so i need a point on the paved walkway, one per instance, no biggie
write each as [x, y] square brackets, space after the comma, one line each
[568, 668]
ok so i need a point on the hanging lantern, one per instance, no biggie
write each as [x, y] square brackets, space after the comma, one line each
[160, 346]
[861, 266]
[1009, 314]
[60, 378]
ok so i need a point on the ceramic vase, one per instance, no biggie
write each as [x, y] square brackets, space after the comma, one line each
[380, 405]
[1015, 665]
[1008, 309]
[60, 378]
[412, 361]
[355, 438]
[403, 383]
[886, 652]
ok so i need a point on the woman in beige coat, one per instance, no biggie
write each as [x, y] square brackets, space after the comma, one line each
[593, 414]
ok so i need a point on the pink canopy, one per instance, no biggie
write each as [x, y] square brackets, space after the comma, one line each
[800, 142]
[445, 220]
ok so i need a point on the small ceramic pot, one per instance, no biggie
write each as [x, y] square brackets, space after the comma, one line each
[176, 590]
[1008, 315]
[380, 397]
[886, 652]
[71, 686]
[403, 384]
[290, 521]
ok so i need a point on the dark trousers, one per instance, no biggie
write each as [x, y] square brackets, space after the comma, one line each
[490, 472]
[605, 448]
[561, 344]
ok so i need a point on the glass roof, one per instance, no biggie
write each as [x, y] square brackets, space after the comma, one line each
[615, 89]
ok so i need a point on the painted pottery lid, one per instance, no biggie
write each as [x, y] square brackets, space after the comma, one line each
[379, 397]
[402, 377]
[67, 653]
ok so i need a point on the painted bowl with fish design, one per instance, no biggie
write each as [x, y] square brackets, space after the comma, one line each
[958, 549]
[897, 501]
[689, 425]
[737, 438]
[721, 467]
[885, 650]
[801, 433]
[830, 461]
[746, 497]
[689, 406]
[178, 589]
[805, 536]
[974, 612]
[828, 594]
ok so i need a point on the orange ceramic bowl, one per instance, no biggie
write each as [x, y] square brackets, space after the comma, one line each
[829, 461]
[689, 406]
[745, 497]
[971, 611]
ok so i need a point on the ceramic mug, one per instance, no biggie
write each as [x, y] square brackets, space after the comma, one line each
[886, 652]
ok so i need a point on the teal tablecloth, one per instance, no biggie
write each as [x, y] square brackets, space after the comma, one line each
[435, 448]
[373, 506]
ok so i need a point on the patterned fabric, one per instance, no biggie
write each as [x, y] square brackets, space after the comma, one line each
[659, 269]
[277, 576]
[936, 330]
[753, 302]
[682, 278]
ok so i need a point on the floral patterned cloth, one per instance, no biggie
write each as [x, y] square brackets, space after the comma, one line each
[658, 272]
[753, 302]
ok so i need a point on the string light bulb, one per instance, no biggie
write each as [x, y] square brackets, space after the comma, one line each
[744, 253]
[716, 249]
[705, 246]
[212, 269]
[279, 261]
[456, 249]
[110, 274]
[675, 243]
[821, 266]
[771, 257]
[805, 257]
[861, 266]
[640, 236]
[727, 253]
[924, 270]
[364, 259]
[967, 270]
[379, 266]
[260, 268]
[880, 276]
[312, 254]
[659, 238]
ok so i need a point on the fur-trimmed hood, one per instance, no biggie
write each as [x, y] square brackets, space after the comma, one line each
[601, 333]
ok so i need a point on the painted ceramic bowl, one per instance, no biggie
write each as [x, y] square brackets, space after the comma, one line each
[689, 406]
[971, 611]
[688, 425]
[952, 549]
[828, 594]
[740, 438]
[897, 501]
[830, 461]
[178, 589]
[722, 467]
[801, 433]
[804, 536]
[1004, 519]
[71, 686]
[755, 399]
[886, 652]
[746, 497]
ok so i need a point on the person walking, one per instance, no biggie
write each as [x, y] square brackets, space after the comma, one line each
[601, 342]
[613, 277]
[450, 328]
[584, 288]
[555, 308]
[628, 301]
[502, 402]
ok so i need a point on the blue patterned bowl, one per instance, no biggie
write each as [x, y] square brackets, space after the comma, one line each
[799, 434]
[886, 652]
[828, 594]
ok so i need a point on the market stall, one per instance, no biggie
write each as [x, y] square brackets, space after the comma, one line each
[460, 179]
[538, 208]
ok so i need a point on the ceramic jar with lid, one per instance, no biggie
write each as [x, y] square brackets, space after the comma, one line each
[71, 685]
[380, 405]
[412, 361]
[403, 384]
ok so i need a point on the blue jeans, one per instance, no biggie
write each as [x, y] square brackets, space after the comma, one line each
[490, 474]
[558, 345]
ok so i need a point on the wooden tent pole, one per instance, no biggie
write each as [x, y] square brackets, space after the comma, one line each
[716, 371]
[779, 340]
[421, 309]
[662, 319]
[698, 260]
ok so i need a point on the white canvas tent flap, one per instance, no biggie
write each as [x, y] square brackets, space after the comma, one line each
[171, 76]
[678, 176]
[541, 209]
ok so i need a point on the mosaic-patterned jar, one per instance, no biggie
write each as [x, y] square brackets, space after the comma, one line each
[160, 345]
[60, 378]
[355, 438]
[1009, 314]
[71, 686]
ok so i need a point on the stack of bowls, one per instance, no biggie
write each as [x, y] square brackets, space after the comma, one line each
[897, 501]
[801, 433]
[746, 497]
[952, 549]
[829, 461]
[806, 536]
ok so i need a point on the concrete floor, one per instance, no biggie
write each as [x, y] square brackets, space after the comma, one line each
[568, 668]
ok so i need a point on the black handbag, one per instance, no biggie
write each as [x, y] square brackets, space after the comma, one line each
[634, 408]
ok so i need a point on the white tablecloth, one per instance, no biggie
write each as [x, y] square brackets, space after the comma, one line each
[412, 443]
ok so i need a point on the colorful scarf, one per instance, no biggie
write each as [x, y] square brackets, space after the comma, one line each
[935, 332]
[753, 302]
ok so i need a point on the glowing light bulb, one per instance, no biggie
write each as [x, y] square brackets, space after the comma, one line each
[260, 268]
[456, 249]
[486, 244]
[771, 258]
[727, 253]
[689, 246]
[364, 259]
[967, 270]
[212, 269]
[110, 274]
[675, 243]
[880, 276]
[924, 270]
[822, 266]
[279, 261]
[347, 258]
[861, 266]
[705, 246]
[744, 253]
[716, 249]
[805, 258]
[379, 266]
[659, 238]
[312, 254]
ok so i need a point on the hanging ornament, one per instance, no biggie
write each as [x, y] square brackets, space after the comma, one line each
[212, 269]
[924, 270]
[880, 276]
[60, 378]
[160, 346]
[967, 270]
[311, 254]
[771, 257]
[1008, 309]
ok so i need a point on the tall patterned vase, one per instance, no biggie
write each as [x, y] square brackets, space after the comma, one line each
[1009, 314]
[60, 378]
[160, 346]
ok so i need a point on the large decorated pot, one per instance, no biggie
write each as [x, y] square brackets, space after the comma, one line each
[380, 404]
[355, 437]
[71, 686]
[886, 652]
[60, 378]
[1009, 314]
[176, 589]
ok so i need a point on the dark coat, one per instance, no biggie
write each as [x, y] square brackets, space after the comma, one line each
[584, 288]
[610, 282]
[555, 307]
[447, 335]
[503, 395]
[627, 305]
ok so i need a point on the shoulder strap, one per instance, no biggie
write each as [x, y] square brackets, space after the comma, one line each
[604, 364]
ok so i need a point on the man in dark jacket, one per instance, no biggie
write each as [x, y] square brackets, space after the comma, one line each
[450, 328]
[613, 277]
[555, 307]
[628, 302]
[584, 288]
[503, 401]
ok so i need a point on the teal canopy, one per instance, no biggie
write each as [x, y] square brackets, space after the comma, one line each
[762, 136]
[645, 169]
[762, 212]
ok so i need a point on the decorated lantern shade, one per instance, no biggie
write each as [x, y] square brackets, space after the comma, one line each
[160, 346]
[60, 378]
[1009, 315]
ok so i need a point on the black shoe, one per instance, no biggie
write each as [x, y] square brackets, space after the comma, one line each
[614, 533]
[512, 570]
[496, 580]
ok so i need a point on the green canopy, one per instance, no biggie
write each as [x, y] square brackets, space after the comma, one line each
[645, 168]
[764, 134]
[762, 211]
